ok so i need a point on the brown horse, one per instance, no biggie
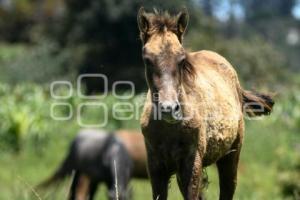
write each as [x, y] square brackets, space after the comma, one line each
[193, 114]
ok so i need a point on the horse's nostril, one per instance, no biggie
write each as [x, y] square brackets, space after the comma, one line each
[166, 107]
[177, 107]
[170, 107]
[170, 111]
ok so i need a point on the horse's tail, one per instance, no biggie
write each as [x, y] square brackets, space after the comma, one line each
[64, 170]
[256, 104]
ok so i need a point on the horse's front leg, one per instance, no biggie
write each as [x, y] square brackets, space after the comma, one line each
[73, 189]
[159, 177]
[189, 176]
[80, 187]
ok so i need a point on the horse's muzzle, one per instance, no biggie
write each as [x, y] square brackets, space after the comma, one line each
[170, 111]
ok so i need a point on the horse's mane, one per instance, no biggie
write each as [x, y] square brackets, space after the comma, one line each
[161, 20]
[188, 72]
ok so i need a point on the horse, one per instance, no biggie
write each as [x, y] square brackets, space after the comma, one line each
[193, 114]
[134, 143]
[98, 156]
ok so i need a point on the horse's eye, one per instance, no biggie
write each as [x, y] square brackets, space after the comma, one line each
[181, 62]
[148, 62]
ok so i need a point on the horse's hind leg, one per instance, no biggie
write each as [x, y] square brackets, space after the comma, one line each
[79, 187]
[83, 187]
[227, 168]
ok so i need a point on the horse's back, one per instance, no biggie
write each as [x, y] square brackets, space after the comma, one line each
[90, 142]
[210, 60]
[213, 56]
[90, 149]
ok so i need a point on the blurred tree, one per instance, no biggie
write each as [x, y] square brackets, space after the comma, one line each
[101, 36]
[256, 9]
[19, 18]
[14, 21]
[264, 17]
[207, 6]
[106, 33]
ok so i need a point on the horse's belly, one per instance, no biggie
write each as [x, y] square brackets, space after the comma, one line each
[219, 140]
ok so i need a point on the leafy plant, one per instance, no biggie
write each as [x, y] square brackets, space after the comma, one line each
[23, 114]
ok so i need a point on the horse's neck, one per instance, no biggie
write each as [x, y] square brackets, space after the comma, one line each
[189, 100]
[186, 94]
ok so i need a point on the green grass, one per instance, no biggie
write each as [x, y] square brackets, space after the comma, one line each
[266, 148]
[269, 150]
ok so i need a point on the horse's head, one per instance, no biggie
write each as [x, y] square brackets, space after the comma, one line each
[164, 57]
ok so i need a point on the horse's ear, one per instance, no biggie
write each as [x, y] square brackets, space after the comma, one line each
[143, 22]
[182, 22]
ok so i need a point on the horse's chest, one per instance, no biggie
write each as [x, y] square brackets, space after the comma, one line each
[174, 149]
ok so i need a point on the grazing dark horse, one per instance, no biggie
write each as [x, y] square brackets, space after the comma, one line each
[193, 114]
[95, 156]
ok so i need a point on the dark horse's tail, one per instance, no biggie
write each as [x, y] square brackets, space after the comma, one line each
[256, 104]
[64, 170]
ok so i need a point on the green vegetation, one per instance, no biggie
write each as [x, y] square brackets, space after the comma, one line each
[269, 152]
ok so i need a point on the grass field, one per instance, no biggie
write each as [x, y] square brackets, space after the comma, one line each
[267, 149]
[32, 146]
